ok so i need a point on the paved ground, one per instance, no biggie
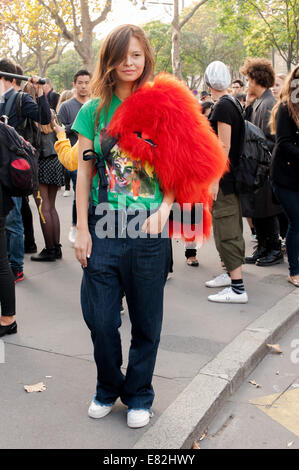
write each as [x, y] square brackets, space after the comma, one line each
[53, 346]
[266, 415]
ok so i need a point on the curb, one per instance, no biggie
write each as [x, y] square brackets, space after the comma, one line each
[193, 410]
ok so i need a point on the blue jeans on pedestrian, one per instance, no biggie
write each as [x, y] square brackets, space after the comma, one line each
[290, 202]
[15, 236]
[139, 266]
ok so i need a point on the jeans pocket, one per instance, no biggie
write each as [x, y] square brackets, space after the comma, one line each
[149, 257]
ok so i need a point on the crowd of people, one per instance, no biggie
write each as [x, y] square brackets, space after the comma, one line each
[73, 144]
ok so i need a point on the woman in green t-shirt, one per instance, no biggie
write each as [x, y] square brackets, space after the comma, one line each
[117, 262]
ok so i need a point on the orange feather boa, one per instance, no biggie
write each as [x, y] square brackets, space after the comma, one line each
[187, 156]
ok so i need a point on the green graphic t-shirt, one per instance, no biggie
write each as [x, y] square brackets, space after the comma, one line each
[130, 183]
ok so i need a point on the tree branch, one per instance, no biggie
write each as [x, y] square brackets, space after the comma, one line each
[59, 21]
[269, 27]
[191, 13]
[104, 13]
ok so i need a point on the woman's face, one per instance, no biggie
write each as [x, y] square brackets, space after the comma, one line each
[131, 68]
[277, 87]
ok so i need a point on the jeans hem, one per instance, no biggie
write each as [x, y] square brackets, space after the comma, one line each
[97, 402]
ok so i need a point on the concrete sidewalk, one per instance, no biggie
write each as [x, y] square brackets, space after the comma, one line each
[206, 351]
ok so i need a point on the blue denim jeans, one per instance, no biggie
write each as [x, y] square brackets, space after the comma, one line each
[139, 267]
[15, 235]
[290, 202]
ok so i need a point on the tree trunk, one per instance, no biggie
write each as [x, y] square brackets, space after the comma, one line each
[175, 51]
[85, 51]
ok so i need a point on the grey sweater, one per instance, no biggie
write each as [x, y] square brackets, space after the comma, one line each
[67, 113]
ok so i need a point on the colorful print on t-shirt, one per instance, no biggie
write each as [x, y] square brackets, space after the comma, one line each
[128, 177]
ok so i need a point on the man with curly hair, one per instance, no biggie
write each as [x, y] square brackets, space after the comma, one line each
[261, 77]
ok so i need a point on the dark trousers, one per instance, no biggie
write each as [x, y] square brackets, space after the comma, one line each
[7, 284]
[139, 266]
[267, 232]
[290, 202]
[68, 176]
[27, 222]
[67, 180]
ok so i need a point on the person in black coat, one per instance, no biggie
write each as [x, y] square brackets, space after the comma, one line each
[7, 284]
[38, 111]
[51, 95]
[285, 165]
[261, 78]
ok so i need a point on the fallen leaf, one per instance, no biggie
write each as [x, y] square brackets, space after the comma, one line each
[40, 387]
[203, 436]
[195, 445]
[275, 348]
[252, 382]
[290, 443]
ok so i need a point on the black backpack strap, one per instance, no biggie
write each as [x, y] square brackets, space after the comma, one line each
[235, 102]
[99, 163]
[19, 104]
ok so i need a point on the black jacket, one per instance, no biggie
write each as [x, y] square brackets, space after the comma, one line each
[38, 112]
[261, 111]
[6, 202]
[285, 161]
[261, 202]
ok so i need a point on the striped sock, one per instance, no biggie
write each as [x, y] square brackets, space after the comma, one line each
[238, 286]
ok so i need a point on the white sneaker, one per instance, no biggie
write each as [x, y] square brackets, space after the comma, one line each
[229, 296]
[96, 410]
[72, 234]
[66, 193]
[223, 280]
[138, 418]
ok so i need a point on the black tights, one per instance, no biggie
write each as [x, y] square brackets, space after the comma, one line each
[48, 215]
[7, 283]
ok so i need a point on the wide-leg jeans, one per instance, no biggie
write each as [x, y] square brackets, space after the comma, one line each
[139, 266]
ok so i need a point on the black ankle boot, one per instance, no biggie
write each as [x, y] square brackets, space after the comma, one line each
[58, 252]
[273, 257]
[47, 254]
[8, 330]
[259, 252]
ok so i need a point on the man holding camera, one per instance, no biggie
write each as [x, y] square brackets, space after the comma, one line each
[38, 112]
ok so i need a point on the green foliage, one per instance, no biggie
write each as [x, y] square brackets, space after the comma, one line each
[202, 41]
[62, 74]
[159, 35]
[265, 24]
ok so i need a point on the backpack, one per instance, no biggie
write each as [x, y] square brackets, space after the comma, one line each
[254, 164]
[18, 163]
[27, 128]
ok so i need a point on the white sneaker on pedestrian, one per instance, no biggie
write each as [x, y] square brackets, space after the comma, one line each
[228, 296]
[72, 234]
[66, 193]
[138, 418]
[96, 410]
[223, 280]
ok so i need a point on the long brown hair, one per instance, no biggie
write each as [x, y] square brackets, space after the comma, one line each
[287, 97]
[112, 53]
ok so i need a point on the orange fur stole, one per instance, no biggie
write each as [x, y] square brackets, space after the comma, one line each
[187, 155]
